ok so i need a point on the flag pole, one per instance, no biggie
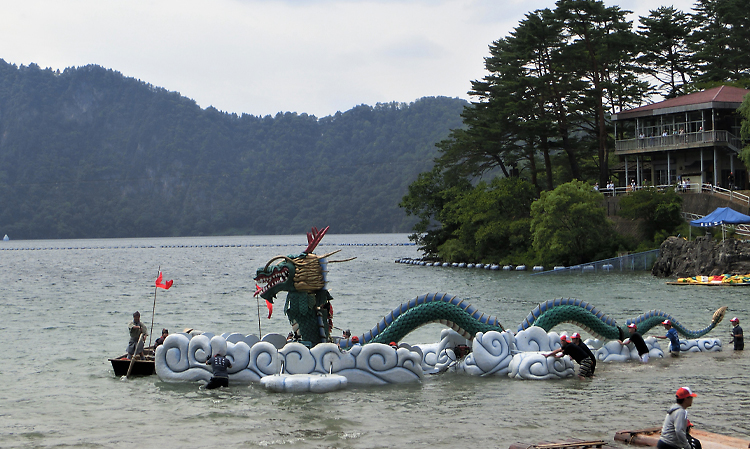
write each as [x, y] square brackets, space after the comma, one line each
[152, 312]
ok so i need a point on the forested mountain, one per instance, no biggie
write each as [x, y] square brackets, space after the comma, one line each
[88, 153]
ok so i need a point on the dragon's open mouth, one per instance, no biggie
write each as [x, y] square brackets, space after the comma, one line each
[267, 282]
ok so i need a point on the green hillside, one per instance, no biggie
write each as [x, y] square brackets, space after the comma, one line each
[89, 153]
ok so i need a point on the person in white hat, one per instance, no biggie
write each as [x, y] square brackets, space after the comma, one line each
[674, 430]
[637, 340]
[674, 339]
[739, 342]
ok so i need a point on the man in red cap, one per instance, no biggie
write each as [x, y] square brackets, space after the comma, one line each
[674, 345]
[739, 342]
[575, 353]
[637, 340]
[674, 430]
[576, 337]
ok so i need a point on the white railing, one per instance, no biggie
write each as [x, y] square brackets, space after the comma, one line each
[687, 188]
[675, 141]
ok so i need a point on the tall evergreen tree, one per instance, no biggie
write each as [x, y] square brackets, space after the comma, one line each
[602, 48]
[664, 52]
[721, 40]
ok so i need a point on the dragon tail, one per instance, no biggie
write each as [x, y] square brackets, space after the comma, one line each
[654, 318]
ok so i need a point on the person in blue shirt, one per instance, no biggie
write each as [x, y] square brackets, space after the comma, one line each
[674, 339]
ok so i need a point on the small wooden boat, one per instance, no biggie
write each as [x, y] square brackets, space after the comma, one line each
[143, 366]
[568, 444]
[649, 437]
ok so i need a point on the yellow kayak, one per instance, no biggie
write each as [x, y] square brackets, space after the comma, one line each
[720, 280]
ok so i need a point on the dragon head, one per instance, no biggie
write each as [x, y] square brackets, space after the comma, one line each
[273, 279]
[303, 272]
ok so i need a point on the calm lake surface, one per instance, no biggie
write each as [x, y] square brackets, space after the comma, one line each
[66, 306]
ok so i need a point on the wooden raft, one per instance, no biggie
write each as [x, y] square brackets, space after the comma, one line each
[568, 444]
[649, 437]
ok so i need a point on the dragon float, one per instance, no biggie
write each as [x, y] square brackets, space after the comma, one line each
[475, 343]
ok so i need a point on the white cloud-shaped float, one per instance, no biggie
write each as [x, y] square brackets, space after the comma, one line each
[183, 359]
[295, 368]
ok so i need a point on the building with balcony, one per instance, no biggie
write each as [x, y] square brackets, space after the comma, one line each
[694, 138]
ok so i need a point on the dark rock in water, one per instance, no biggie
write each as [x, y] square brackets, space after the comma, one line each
[701, 257]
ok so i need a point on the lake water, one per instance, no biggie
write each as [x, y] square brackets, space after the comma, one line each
[66, 306]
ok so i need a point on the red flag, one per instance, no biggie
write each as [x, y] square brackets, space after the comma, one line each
[269, 304]
[166, 285]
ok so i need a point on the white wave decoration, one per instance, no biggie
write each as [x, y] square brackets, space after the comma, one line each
[529, 361]
[183, 359]
[294, 367]
[438, 357]
[700, 345]
[535, 366]
[379, 364]
[536, 339]
[491, 354]
[613, 351]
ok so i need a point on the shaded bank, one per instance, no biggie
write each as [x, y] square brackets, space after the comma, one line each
[701, 257]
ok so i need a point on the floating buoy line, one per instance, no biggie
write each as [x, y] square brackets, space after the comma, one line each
[537, 269]
[485, 266]
[48, 248]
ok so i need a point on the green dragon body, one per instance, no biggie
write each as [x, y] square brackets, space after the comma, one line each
[308, 307]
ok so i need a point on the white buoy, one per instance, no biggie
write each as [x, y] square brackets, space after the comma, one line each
[303, 383]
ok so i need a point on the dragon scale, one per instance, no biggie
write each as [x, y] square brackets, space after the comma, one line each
[555, 311]
[431, 308]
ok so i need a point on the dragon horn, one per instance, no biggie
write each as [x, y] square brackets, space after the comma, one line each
[313, 238]
[719, 315]
[276, 258]
[329, 254]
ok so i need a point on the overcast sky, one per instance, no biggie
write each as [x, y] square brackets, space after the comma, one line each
[266, 56]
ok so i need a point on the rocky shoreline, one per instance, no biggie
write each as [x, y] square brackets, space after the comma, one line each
[701, 257]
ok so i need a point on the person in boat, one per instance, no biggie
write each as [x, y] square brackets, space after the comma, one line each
[674, 431]
[576, 353]
[290, 336]
[355, 340]
[347, 334]
[576, 337]
[219, 364]
[674, 339]
[160, 340]
[737, 339]
[136, 329]
[637, 340]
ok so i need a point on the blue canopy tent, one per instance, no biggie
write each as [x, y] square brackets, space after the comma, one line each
[720, 217]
